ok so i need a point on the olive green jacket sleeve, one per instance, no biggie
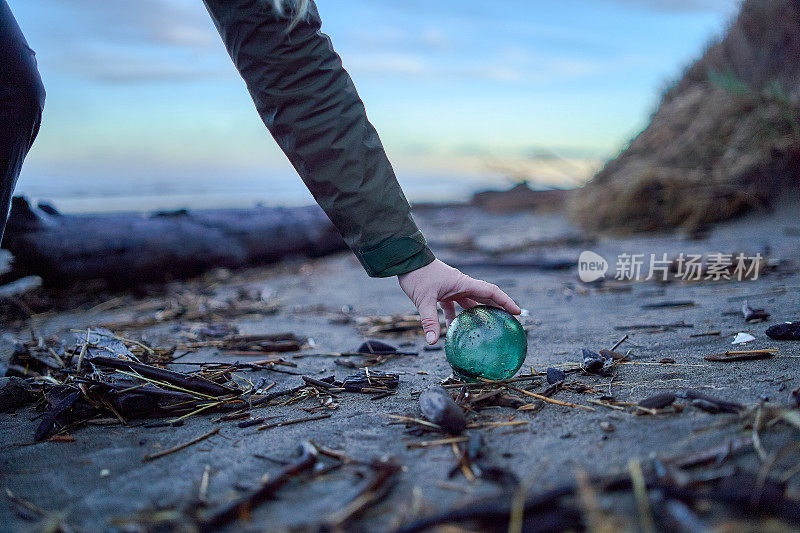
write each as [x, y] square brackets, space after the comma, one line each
[310, 105]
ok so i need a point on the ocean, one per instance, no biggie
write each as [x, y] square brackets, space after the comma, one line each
[76, 194]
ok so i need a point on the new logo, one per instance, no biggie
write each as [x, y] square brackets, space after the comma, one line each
[591, 266]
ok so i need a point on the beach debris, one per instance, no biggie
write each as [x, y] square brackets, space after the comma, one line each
[788, 331]
[181, 381]
[669, 304]
[794, 398]
[658, 401]
[199, 309]
[101, 376]
[713, 333]
[241, 507]
[370, 381]
[252, 344]
[742, 355]
[710, 403]
[372, 326]
[753, 315]
[14, 392]
[742, 338]
[384, 476]
[607, 427]
[376, 347]
[19, 286]
[555, 375]
[439, 408]
[560, 508]
[595, 363]
[616, 356]
[294, 421]
[152, 457]
[659, 327]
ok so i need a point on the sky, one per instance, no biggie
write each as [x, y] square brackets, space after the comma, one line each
[145, 109]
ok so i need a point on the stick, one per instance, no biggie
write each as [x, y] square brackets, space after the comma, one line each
[318, 383]
[158, 455]
[349, 354]
[742, 355]
[373, 492]
[438, 442]
[295, 421]
[185, 381]
[642, 499]
[488, 382]
[623, 339]
[550, 400]
[243, 506]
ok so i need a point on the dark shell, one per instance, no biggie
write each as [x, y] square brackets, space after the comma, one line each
[438, 407]
[710, 403]
[753, 315]
[658, 401]
[555, 375]
[372, 379]
[785, 332]
[373, 346]
[594, 362]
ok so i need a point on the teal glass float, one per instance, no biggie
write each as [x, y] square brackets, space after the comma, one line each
[485, 342]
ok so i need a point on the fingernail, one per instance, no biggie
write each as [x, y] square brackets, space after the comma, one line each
[431, 337]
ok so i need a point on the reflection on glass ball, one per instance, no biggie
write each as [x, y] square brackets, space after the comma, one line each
[485, 342]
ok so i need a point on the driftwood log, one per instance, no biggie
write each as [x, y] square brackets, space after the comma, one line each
[125, 249]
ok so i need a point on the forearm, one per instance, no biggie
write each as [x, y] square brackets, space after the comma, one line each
[310, 105]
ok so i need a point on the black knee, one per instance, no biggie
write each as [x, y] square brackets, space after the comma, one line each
[24, 102]
[31, 94]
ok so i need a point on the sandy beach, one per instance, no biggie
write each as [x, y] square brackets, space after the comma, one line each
[99, 481]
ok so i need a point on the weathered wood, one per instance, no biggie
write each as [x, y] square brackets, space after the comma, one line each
[131, 248]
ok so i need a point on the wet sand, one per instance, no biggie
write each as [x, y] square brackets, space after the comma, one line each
[100, 479]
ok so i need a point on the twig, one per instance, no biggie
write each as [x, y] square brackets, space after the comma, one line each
[757, 446]
[414, 420]
[83, 349]
[295, 421]
[243, 506]
[438, 442]
[619, 342]
[742, 355]
[550, 400]
[174, 449]
[374, 491]
[642, 499]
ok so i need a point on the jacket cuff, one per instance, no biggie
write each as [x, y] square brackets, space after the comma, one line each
[396, 256]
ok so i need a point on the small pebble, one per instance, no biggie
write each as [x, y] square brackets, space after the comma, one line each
[608, 427]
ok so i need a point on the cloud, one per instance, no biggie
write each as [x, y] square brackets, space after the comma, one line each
[173, 23]
[713, 6]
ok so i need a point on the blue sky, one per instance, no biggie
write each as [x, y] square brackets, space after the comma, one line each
[144, 102]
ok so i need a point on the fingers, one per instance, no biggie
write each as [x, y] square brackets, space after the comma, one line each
[449, 308]
[466, 303]
[429, 317]
[490, 294]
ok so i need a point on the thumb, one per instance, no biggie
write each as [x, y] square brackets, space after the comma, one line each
[429, 317]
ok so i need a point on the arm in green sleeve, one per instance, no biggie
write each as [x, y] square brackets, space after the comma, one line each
[310, 105]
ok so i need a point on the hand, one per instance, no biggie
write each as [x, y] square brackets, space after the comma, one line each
[438, 282]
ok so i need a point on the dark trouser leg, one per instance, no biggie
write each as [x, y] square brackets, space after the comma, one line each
[21, 104]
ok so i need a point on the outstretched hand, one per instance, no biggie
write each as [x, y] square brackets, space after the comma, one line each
[438, 282]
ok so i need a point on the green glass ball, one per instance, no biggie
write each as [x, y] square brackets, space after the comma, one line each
[485, 342]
